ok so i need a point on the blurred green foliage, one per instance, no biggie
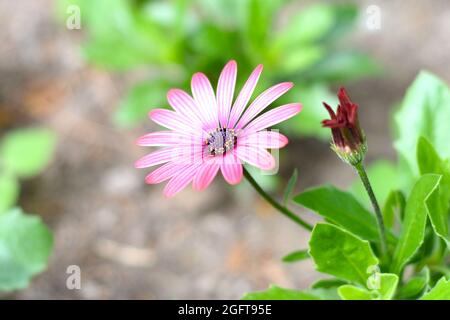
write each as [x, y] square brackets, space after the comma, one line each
[424, 111]
[26, 152]
[25, 245]
[25, 242]
[174, 39]
[9, 190]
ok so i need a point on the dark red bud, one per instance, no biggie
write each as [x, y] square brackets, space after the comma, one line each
[348, 138]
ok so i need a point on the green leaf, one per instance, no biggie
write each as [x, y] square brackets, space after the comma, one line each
[413, 228]
[215, 42]
[438, 216]
[383, 178]
[387, 284]
[393, 207]
[290, 187]
[342, 209]
[9, 191]
[296, 256]
[277, 293]
[328, 283]
[350, 292]
[327, 289]
[258, 23]
[26, 152]
[25, 246]
[415, 285]
[438, 203]
[142, 98]
[340, 253]
[99, 53]
[441, 291]
[315, 23]
[325, 293]
[307, 25]
[428, 159]
[425, 111]
[300, 58]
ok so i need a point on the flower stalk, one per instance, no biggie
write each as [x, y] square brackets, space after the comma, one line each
[366, 182]
[281, 208]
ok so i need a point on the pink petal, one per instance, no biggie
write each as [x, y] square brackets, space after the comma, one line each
[273, 117]
[204, 97]
[182, 155]
[180, 181]
[166, 138]
[166, 171]
[257, 157]
[263, 101]
[183, 103]
[244, 96]
[225, 91]
[205, 175]
[157, 157]
[173, 121]
[232, 170]
[264, 139]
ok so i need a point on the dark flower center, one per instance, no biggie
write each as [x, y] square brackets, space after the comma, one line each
[221, 141]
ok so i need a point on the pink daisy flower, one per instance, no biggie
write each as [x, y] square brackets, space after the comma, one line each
[208, 132]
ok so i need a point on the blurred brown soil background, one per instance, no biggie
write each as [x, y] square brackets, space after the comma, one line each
[128, 240]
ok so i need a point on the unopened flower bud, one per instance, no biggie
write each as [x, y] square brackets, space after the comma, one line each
[349, 141]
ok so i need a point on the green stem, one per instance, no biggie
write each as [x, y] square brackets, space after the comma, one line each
[282, 209]
[365, 180]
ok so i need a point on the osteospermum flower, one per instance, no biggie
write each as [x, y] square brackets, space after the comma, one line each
[208, 132]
